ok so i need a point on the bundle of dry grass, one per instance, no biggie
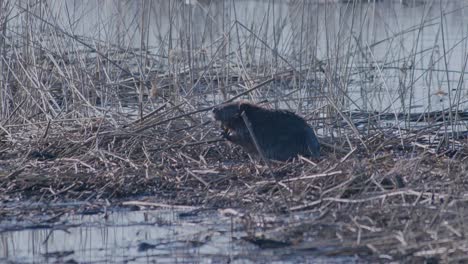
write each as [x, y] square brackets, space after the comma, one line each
[375, 196]
[189, 163]
[86, 120]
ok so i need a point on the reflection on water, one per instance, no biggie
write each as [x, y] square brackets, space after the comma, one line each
[383, 55]
[386, 55]
[140, 237]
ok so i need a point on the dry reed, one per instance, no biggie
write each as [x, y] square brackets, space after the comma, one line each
[87, 119]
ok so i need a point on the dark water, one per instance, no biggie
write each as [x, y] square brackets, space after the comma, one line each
[161, 236]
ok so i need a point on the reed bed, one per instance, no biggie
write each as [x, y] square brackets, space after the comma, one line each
[108, 123]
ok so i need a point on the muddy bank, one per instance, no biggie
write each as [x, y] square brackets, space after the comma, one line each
[376, 197]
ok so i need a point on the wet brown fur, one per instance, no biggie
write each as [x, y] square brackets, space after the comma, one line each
[281, 134]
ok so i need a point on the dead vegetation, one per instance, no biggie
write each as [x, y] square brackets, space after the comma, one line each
[86, 121]
[379, 196]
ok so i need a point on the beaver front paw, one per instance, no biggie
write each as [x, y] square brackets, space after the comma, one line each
[226, 134]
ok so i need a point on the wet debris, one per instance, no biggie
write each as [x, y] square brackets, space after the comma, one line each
[383, 194]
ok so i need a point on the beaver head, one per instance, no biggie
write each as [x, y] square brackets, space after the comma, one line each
[227, 112]
[231, 111]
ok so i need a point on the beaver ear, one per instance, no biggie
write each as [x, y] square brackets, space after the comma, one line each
[243, 107]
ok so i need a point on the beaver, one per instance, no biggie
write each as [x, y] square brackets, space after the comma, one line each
[281, 134]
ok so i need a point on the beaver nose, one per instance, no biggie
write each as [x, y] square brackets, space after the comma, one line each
[214, 113]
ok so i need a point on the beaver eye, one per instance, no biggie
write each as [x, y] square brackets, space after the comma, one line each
[242, 108]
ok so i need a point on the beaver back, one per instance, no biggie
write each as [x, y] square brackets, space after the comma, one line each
[280, 134]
